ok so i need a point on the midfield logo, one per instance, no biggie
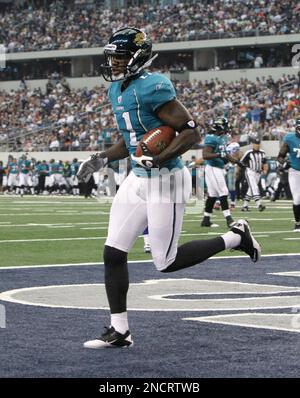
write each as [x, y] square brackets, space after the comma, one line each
[244, 303]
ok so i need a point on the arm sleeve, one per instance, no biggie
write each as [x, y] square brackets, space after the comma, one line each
[159, 90]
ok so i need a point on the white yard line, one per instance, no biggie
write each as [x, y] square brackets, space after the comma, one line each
[259, 233]
[134, 261]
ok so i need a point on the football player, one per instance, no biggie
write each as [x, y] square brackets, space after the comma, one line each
[25, 180]
[291, 146]
[142, 101]
[215, 156]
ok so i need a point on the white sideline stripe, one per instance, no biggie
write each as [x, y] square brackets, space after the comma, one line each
[79, 213]
[51, 239]
[291, 238]
[135, 261]
[104, 237]
[54, 224]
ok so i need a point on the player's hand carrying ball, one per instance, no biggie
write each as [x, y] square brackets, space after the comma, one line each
[152, 144]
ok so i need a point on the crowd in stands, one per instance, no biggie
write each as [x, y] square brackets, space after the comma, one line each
[60, 27]
[80, 119]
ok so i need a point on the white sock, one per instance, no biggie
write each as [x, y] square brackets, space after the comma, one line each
[226, 213]
[246, 203]
[120, 322]
[231, 240]
[207, 214]
[257, 203]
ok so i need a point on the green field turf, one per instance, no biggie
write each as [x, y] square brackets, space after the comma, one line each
[60, 230]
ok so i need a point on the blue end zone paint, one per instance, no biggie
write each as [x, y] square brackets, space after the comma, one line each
[47, 342]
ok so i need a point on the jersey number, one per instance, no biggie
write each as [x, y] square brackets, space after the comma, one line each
[126, 117]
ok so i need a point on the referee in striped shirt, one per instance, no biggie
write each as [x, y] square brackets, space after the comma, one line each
[256, 165]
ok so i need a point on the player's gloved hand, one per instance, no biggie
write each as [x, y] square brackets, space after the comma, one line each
[91, 165]
[147, 160]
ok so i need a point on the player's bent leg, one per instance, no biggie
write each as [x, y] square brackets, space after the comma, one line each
[238, 238]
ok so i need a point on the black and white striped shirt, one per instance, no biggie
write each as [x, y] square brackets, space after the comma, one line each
[254, 160]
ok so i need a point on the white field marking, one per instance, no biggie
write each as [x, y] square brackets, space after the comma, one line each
[288, 273]
[60, 226]
[86, 228]
[54, 224]
[5, 222]
[65, 211]
[217, 219]
[51, 239]
[79, 213]
[104, 237]
[252, 301]
[292, 238]
[136, 261]
[254, 233]
[261, 236]
[221, 319]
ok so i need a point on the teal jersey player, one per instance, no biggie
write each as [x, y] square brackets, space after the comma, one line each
[293, 142]
[218, 143]
[135, 108]
[74, 168]
[13, 168]
[24, 165]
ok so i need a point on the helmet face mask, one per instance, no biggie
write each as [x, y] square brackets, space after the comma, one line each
[127, 53]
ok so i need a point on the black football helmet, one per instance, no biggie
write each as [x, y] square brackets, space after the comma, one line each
[297, 127]
[134, 47]
[220, 126]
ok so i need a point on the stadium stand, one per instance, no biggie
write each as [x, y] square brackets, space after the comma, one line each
[56, 26]
[64, 119]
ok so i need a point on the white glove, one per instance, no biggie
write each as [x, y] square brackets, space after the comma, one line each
[91, 165]
[146, 160]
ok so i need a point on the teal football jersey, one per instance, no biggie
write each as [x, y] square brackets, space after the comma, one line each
[272, 166]
[293, 143]
[13, 168]
[135, 107]
[74, 168]
[24, 165]
[218, 143]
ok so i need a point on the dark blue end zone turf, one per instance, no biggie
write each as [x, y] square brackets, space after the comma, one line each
[47, 342]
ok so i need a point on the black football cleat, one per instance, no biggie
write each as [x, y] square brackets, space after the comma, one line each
[248, 244]
[261, 208]
[110, 339]
[297, 227]
[207, 223]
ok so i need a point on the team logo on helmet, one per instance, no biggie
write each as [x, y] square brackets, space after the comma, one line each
[140, 37]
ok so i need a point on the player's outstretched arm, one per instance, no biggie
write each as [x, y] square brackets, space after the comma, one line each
[99, 160]
[175, 115]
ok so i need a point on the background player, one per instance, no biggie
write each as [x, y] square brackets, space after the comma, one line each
[215, 156]
[291, 146]
[142, 101]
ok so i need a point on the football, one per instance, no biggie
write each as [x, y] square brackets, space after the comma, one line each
[156, 140]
